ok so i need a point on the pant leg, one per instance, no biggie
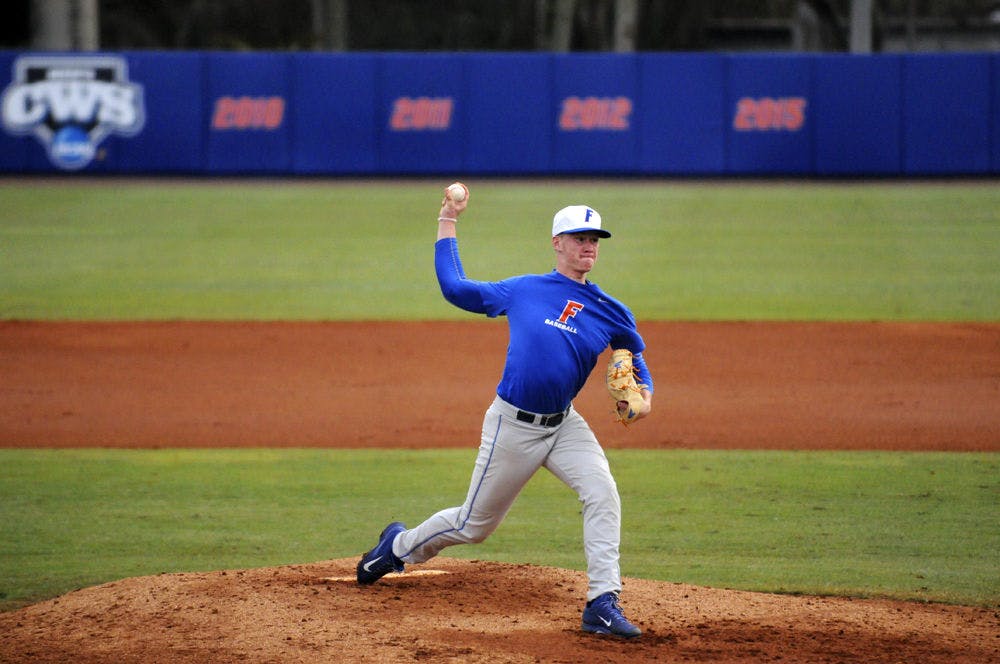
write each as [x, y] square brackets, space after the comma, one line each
[579, 461]
[509, 454]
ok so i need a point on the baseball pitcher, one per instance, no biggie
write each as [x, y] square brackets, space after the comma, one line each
[559, 325]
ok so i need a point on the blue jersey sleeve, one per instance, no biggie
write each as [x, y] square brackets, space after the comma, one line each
[479, 297]
[643, 377]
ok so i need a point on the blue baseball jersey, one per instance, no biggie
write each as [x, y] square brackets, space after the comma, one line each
[558, 329]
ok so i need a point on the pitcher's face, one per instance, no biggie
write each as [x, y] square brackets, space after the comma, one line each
[576, 253]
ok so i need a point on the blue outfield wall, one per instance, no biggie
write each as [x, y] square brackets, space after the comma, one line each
[500, 113]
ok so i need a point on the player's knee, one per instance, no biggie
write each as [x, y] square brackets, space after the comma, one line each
[603, 495]
[476, 533]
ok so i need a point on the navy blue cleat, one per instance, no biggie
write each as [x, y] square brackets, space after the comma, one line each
[381, 560]
[604, 616]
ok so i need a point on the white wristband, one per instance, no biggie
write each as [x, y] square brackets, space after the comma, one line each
[446, 219]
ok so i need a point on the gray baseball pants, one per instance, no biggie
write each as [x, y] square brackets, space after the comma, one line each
[510, 453]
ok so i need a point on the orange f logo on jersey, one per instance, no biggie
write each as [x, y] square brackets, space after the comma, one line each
[571, 309]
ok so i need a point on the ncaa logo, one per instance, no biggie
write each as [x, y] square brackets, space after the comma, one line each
[71, 104]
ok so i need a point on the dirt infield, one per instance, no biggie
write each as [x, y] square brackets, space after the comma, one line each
[718, 385]
[735, 385]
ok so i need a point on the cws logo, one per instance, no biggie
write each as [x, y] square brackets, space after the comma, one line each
[71, 104]
[571, 309]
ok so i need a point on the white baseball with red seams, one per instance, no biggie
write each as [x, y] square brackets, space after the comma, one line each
[457, 192]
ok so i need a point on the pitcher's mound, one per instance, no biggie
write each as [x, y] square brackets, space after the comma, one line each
[452, 610]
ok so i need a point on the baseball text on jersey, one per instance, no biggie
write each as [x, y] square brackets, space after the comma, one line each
[561, 326]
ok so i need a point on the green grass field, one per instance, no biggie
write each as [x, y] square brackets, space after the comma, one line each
[917, 526]
[914, 526]
[348, 250]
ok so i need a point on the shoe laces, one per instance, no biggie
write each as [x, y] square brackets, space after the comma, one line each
[613, 604]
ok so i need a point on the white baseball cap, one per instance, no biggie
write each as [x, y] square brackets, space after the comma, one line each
[577, 219]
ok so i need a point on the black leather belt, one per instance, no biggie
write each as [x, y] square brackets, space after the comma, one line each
[541, 420]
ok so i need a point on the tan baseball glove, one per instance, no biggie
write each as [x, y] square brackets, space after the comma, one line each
[620, 379]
